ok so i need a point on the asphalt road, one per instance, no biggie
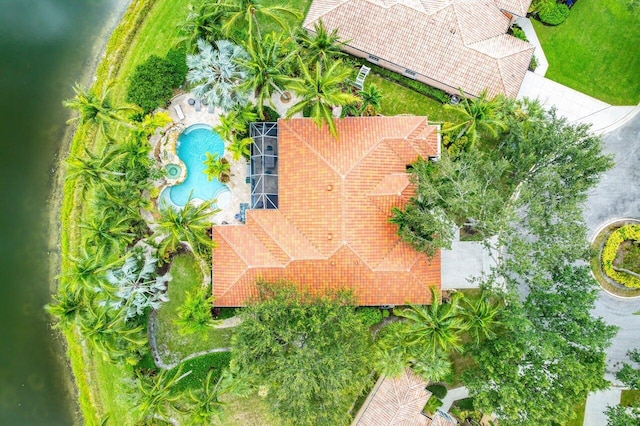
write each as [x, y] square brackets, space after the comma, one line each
[618, 196]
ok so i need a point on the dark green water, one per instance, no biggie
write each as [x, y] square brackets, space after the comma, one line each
[45, 45]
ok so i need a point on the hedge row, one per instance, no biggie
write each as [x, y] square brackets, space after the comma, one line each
[610, 251]
[422, 88]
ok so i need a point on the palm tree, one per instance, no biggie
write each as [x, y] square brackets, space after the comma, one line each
[217, 75]
[236, 122]
[108, 231]
[321, 46]
[245, 13]
[190, 224]
[88, 268]
[206, 403]
[217, 167]
[97, 109]
[267, 66]
[158, 393]
[482, 317]
[204, 23]
[371, 97]
[479, 115]
[321, 90]
[67, 304]
[108, 332]
[434, 367]
[240, 147]
[194, 315]
[434, 328]
[98, 169]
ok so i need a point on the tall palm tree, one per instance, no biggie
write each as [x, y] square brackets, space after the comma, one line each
[371, 97]
[108, 231]
[217, 75]
[207, 406]
[88, 268]
[158, 394]
[108, 332]
[217, 167]
[96, 170]
[479, 115]
[434, 328]
[240, 147]
[97, 109]
[190, 224]
[321, 90]
[67, 304]
[245, 14]
[236, 122]
[267, 66]
[203, 22]
[482, 317]
[321, 46]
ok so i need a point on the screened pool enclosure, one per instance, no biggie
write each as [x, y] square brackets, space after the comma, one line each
[264, 165]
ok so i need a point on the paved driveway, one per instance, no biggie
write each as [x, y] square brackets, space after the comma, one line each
[617, 196]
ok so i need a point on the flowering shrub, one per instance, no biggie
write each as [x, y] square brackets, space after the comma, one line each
[610, 251]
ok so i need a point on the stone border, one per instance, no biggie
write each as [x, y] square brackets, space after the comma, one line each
[592, 241]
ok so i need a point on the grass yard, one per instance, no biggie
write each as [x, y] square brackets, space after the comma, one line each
[630, 398]
[579, 411]
[596, 51]
[397, 99]
[186, 276]
[250, 411]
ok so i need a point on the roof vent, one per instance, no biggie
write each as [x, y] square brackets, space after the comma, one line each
[329, 187]
[329, 236]
[452, 30]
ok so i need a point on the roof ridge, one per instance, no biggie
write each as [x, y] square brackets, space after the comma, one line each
[312, 149]
[277, 241]
[411, 264]
[376, 145]
[268, 235]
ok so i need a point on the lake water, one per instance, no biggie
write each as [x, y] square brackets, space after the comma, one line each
[45, 45]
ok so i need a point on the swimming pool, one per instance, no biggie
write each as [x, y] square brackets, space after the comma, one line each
[193, 144]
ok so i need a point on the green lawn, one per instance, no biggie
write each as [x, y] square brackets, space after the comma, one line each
[630, 398]
[186, 276]
[398, 99]
[579, 419]
[596, 51]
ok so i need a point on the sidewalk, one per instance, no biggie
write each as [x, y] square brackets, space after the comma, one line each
[596, 404]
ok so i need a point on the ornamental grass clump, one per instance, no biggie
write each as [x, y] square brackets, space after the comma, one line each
[610, 252]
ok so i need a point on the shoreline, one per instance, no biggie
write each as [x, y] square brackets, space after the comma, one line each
[56, 197]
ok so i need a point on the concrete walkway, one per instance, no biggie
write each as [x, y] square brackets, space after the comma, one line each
[453, 395]
[466, 260]
[575, 106]
[597, 402]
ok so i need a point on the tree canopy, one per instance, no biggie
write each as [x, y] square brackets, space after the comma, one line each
[309, 354]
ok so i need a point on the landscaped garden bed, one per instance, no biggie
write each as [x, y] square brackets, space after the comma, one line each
[616, 258]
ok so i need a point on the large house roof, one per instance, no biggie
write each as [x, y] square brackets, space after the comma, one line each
[460, 43]
[395, 402]
[331, 229]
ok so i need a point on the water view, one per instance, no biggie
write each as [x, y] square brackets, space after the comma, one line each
[45, 45]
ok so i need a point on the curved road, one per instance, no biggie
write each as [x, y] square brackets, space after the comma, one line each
[617, 196]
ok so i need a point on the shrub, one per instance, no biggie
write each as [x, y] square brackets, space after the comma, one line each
[555, 15]
[432, 405]
[194, 315]
[610, 251]
[439, 391]
[518, 32]
[424, 89]
[200, 367]
[270, 114]
[369, 316]
[153, 81]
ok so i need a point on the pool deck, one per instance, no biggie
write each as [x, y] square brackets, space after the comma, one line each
[240, 190]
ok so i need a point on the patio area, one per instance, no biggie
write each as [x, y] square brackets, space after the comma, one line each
[185, 112]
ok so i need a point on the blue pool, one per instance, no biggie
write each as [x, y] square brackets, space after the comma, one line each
[193, 144]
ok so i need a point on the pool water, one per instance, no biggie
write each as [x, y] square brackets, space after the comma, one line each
[173, 170]
[193, 144]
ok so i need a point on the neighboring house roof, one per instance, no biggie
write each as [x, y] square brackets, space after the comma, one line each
[331, 229]
[395, 402]
[460, 43]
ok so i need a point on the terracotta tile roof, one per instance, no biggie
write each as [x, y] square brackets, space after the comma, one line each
[332, 228]
[460, 43]
[396, 402]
